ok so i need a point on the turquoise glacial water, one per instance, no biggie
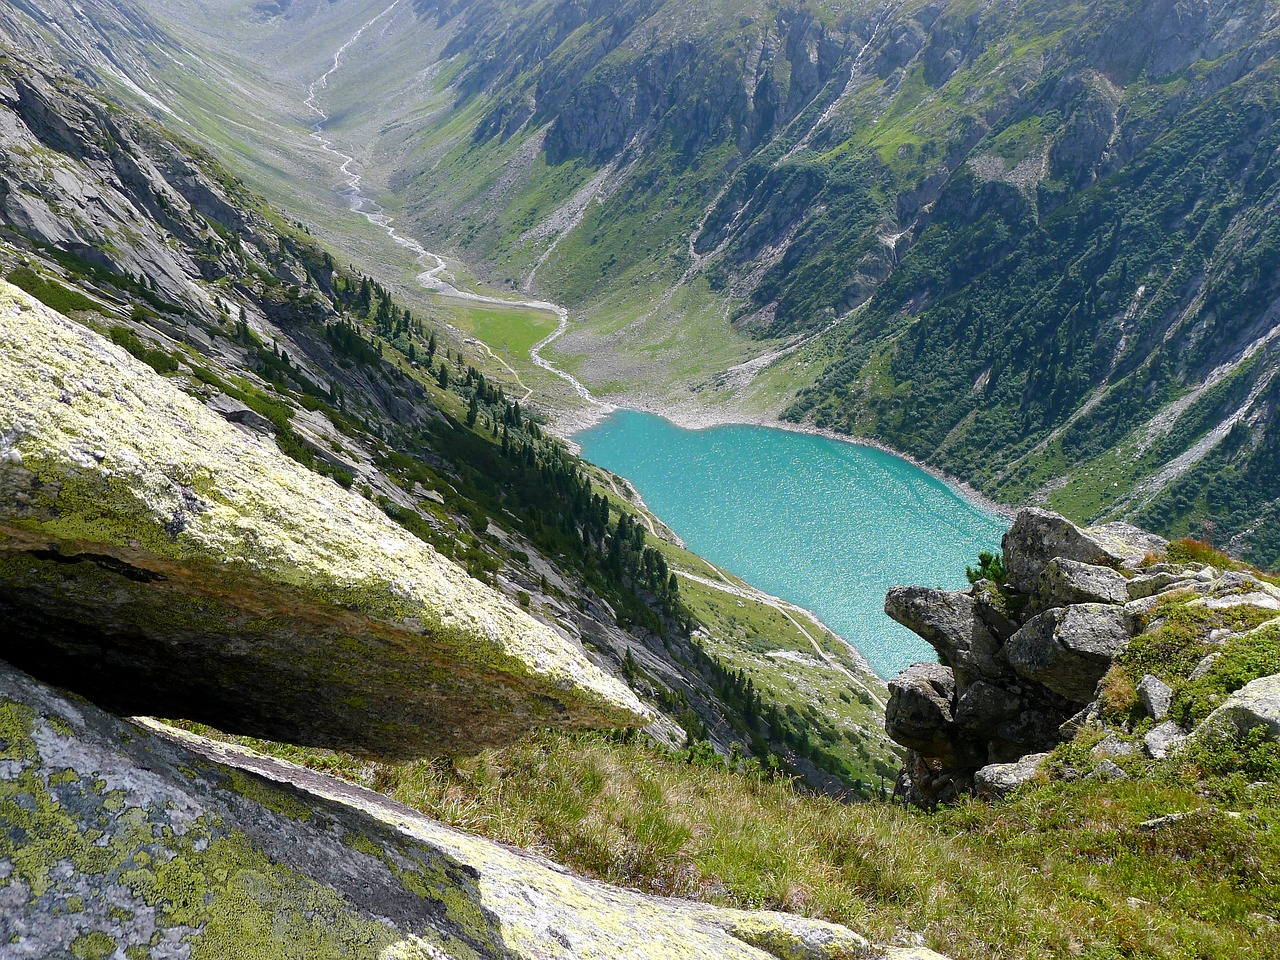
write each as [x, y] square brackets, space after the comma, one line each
[827, 525]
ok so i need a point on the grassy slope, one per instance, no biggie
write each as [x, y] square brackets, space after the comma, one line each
[1070, 866]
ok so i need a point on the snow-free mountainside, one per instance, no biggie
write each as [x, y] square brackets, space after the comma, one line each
[317, 637]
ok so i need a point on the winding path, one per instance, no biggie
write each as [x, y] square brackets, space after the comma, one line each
[787, 610]
[432, 278]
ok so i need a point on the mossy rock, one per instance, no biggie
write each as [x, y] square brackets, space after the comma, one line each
[160, 562]
[141, 839]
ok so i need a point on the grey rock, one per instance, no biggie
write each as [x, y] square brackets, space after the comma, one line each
[997, 780]
[234, 411]
[1085, 716]
[993, 609]
[1160, 741]
[919, 712]
[1259, 599]
[1205, 665]
[983, 705]
[1112, 746]
[150, 814]
[1064, 582]
[1155, 696]
[1030, 731]
[1255, 705]
[1038, 536]
[1159, 582]
[949, 622]
[1108, 770]
[1068, 649]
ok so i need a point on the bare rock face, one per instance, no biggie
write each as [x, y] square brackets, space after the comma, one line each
[156, 559]
[1064, 582]
[1068, 649]
[919, 712]
[952, 626]
[1039, 536]
[140, 840]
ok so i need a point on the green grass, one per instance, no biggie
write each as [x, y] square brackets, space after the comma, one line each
[1061, 870]
[51, 292]
[511, 331]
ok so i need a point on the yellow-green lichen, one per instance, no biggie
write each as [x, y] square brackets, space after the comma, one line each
[118, 462]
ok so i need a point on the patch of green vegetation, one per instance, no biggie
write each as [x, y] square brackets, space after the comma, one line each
[161, 361]
[51, 292]
[1060, 870]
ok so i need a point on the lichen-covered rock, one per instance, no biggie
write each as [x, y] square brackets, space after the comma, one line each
[950, 623]
[1068, 649]
[982, 706]
[997, 780]
[121, 841]
[1038, 536]
[1255, 705]
[156, 559]
[1064, 582]
[1155, 695]
[1162, 740]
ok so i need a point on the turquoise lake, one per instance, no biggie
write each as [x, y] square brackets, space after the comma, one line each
[827, 525]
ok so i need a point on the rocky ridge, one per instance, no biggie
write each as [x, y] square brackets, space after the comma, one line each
[1046, 656]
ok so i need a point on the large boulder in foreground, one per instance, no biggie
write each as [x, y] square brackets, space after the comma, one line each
[135, 840]
[1255, 706]
[160, 562]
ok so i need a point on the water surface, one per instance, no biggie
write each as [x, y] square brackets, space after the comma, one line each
[825, 524]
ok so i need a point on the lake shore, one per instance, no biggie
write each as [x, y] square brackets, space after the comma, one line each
[565, 424]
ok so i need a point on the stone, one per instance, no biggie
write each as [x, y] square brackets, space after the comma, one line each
[159, 561]
[993, 607]
[251, 856]
[1039, 536]
[919, 712]
[949, 622]
[1068, 649]
[983, 705]
[1029, 732]
[1141, 587]
[1108, 770]
[1112, 746]
[1155, 695]
[1064, 582]
[1160, 741]
[997, 780]
[1255, 705]
[233, 411]
[1204, 666]
[1263, 601]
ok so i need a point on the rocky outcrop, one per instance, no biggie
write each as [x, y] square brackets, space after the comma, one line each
[1021, 661]
[132, 840]
[1038, 537]
[1256, 706]
[156, 559]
